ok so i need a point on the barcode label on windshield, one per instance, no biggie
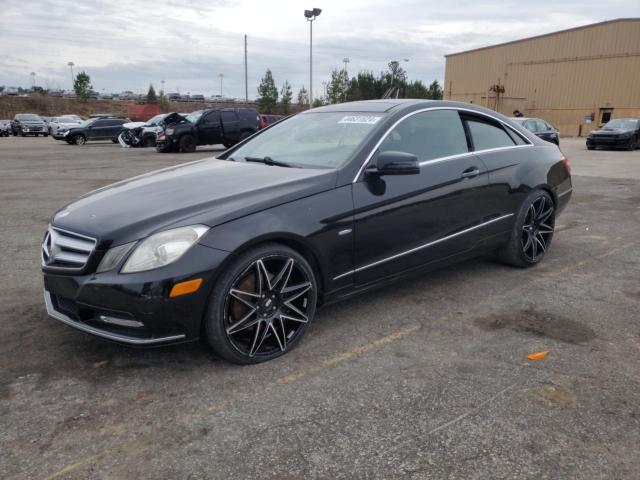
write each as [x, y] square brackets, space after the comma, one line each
[360, 119]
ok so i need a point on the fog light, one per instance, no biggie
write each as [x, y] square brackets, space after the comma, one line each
[184, 288]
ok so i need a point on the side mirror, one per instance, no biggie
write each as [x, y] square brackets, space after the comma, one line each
[394, 163]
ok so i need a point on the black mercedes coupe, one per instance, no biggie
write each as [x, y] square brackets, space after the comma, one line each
[241, 249]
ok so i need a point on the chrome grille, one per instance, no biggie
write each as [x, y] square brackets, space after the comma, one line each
[66, 250]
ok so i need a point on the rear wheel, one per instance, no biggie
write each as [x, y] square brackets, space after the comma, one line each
[532, 233]
[262, 305]
[187, 144]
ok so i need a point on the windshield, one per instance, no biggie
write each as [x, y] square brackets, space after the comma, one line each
[157, 119]
[28, 118]
[314, 140]
[623, 123]
[193, 117]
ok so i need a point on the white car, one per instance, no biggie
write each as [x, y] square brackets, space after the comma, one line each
[59, 125]
[143, 134]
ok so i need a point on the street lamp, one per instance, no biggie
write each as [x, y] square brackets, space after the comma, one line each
[33, 79]
[162, 84]
[221, 77]
[311, 15]
[70, 65]
[345, 60]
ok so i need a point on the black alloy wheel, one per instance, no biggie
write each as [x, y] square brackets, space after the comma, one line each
[262, 305]
[537, 230]
[532, 232]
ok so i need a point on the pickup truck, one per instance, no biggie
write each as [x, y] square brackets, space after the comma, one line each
[227, 126]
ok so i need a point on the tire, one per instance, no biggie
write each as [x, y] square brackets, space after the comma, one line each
[148, 141]
[187, 144]
[22, 134]
[532, 232]
[15, 133]
[45, 134]
[79, 139]
[246, 323]
[591, 148]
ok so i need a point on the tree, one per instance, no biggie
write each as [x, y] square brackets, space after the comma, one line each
[417, 89]
[397, 72]
[286, 94]
[82, 85]
[435, 91]
[268, 93]
[337, 88]
[151, 95]
[303, 96]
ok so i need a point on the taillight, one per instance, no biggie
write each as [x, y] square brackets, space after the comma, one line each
[565, 162]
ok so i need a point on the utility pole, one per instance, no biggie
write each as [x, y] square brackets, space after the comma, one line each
[345, 60]
[246, 75]
[221, 77]
[162, 83]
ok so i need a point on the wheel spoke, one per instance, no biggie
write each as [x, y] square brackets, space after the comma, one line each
[534, 247]
[237, 294]
[263, 277]
[293, 319]
[282, 342]
[243, 323]
[527, 244]
[283, 277]
[295, 309]
[299, 290]
[544, 228]
[544, 216]
[256, 344]
[540, 241]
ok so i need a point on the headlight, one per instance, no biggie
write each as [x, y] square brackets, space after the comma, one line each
[66, 133]
[169, 131]
[163, 248]
[114, 256]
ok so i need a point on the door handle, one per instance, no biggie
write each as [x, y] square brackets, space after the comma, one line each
[471, 172]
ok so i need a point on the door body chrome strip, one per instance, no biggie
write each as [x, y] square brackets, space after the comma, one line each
[52, 312]
[440, 159]
[426, 245]
[566, 192]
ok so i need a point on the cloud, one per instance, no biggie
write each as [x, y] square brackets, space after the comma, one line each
[125, 46]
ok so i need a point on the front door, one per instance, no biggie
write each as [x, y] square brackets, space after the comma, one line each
[209, 129]
[406, 221]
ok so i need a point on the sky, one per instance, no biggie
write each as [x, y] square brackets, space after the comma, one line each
[128, 45]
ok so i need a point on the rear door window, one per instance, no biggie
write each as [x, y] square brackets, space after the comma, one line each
[428, 135]
[487, 134]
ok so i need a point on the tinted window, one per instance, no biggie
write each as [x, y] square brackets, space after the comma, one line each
[229, 116]
[531, 125]
[542, 126]
[100, 123]
[428, 135]
[516, 137]
[488, 135]
[212, 117]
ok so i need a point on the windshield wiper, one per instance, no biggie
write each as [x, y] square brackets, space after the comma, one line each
[267, 161]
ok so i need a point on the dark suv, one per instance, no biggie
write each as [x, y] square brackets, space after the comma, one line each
[227, 126]
[28, 124]
[101, 128]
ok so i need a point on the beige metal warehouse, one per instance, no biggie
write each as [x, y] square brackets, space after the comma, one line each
[576, 79]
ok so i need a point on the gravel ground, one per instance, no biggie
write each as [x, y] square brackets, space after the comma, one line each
[427, 378]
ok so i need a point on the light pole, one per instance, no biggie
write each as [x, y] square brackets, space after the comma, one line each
[311, 15]
[221, 77]
[70, 65]
[33, 79]
[162, 84]
[345, 60]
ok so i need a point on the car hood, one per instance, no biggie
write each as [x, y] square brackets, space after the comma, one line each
[612, 131]
[131, 125]
[66, 125]
[31, 122]
[207, 191]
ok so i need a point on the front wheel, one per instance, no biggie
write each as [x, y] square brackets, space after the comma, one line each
[187, 144]
[262, 305]
[532, 233]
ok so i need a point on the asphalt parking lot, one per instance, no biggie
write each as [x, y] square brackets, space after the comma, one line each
[428, 378]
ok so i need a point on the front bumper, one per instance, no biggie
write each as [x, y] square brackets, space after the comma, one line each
[135, 309]
[608, 142]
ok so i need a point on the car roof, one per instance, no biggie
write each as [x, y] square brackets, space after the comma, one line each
[398, 105]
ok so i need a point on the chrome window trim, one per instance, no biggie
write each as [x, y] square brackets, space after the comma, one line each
[442, 159]
[426, 245]
[53, 313]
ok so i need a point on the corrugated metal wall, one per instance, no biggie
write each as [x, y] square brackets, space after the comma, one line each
[565, 75]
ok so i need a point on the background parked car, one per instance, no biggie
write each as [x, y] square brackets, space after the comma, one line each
[28, 124]
[60, 125]
[268, 119]
[5, 128]
[617, 133]
[96, 129]
[143, 134]
[541, 128]
[227, 126]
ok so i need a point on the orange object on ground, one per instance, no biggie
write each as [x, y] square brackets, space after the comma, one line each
[538, 355]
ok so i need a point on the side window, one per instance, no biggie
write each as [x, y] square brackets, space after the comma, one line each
[486, 134]
[516, 137]
[100, 123]
[115, 123]
[228, 117]
[428, 135]
[212, 118]
[531, 125]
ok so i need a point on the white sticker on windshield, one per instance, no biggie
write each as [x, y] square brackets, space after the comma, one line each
[369, 120]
